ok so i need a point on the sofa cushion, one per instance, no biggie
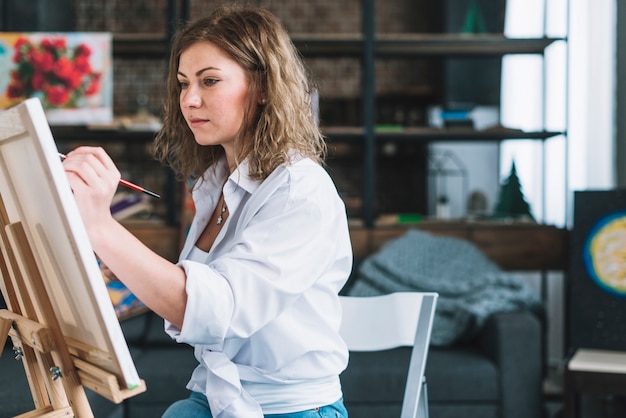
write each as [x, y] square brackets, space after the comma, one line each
[357, 410]
[376, 377]
[461, 374]
[451, 374]
[166, 371]
[452, 410]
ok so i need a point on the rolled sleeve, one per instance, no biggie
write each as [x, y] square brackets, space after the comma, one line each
[209, 306]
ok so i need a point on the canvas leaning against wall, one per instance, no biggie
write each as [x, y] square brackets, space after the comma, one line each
[70, 72]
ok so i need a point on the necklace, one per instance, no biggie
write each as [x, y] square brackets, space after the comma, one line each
[220, 218]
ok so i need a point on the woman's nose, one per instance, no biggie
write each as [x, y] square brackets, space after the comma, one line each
[191, 98]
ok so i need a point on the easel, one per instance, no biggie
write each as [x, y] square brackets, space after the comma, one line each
[57, 368]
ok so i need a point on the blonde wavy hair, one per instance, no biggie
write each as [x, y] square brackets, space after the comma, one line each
[284, 123]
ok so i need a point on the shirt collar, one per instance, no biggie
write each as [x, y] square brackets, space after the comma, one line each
[241, 177]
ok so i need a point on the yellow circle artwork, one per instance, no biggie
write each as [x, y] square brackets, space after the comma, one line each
[605, 253]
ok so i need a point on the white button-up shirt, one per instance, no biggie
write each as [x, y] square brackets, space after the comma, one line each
[262, 308]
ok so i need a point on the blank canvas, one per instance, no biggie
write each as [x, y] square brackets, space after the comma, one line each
[36, 193]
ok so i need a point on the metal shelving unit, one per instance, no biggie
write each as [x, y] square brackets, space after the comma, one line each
[370, 46]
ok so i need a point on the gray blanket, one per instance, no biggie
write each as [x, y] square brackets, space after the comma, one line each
[470, 286]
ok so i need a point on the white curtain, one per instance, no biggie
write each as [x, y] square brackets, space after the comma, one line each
[533, 99]
[574, 83]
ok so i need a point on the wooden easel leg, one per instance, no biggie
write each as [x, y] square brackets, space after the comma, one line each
[27, 355]
[54, 385]
[5, 326]
[6, 286]
[57, 394]
[67, 385]
[35, 375]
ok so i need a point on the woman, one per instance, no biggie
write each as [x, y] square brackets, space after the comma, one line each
[255, 290]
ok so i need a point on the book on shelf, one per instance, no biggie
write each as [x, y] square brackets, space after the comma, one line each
[126, 205]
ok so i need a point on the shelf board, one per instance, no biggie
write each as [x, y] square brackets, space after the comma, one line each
[427, 134]
[422, 134]
[100, 135]
[407, 44]
[459, 44]
[140, 45]
[149, 45]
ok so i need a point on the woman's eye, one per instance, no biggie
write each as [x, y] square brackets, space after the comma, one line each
[182, 84]
[209, 81]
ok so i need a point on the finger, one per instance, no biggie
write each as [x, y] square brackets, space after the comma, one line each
[103, 157]
[94, 152]
[89, 161]
[83, 164]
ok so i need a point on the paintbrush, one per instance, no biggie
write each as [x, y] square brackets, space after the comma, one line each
[126, 183]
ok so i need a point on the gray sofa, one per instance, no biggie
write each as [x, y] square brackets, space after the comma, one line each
[496, 375]
[485, 359]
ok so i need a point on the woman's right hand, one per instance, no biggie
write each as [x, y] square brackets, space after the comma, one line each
[94, 179]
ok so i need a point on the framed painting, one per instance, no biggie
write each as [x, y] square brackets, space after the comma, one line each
[596, 286]
[69, 72]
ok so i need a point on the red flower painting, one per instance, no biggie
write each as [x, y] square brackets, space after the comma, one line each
[60, 76]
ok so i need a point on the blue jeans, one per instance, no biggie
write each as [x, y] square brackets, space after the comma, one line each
[197, 406]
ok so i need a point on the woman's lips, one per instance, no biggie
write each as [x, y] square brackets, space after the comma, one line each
[196, 122]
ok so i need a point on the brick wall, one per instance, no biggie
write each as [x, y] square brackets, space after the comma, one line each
[143, 80]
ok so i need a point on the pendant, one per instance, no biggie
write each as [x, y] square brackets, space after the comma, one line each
[220, 218]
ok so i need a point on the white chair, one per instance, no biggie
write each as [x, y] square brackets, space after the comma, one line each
[398, 319]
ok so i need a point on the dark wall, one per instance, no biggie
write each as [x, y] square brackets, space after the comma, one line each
[620, 148]
[36, 15]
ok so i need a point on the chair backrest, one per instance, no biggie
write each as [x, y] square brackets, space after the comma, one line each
[394, 320]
